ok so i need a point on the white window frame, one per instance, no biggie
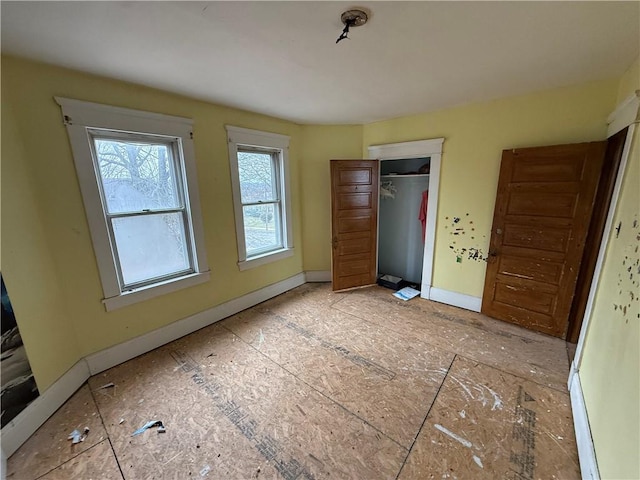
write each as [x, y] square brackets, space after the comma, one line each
[239, 138]
[82, 119]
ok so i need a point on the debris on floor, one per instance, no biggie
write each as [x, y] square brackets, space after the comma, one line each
[393, 389]
[106, 385]
[407, 293]
[151, 424]
[74, 436]
[77, 437]
[390, 281]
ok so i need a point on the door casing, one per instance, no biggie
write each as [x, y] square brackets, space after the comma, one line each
[431, 148]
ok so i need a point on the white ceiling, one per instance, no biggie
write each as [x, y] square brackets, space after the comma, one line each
[281, 59]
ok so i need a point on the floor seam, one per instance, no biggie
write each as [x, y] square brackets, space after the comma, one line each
[68, 460]
[464, 355]
[321, 315]
[89, 448]
[116, 457]
[106, 432]
[317, 391]
[435, 398]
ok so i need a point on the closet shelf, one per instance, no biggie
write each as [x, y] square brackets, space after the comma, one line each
[407, 175]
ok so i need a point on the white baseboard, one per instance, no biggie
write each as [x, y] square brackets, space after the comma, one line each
[112, 356]
[313, 276]
[573, 372]
[16, 432]
[3, 465]
[586, 450]
[455, 299]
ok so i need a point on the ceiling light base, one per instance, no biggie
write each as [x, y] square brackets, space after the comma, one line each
[354, 18]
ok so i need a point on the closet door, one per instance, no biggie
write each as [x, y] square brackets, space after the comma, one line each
[354, 222]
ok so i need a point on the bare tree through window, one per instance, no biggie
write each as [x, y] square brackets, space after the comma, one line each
[139, 177]
[260, 200]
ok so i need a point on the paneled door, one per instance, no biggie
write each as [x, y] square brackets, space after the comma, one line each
[540, 223]
[354, 222]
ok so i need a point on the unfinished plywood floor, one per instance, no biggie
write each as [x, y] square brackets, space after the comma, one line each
[313, 385]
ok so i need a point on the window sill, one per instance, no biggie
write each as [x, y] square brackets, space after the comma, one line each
[152, 291]
[265, 258]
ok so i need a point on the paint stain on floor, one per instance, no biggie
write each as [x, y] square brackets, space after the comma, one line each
[313, 384]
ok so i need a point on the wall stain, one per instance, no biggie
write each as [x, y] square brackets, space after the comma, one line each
[628, 276]
[463, 229]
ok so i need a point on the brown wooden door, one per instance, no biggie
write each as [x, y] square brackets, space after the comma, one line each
[543, 208]
[354, 222]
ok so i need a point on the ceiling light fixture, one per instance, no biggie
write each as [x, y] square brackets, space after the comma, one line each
[352, 18]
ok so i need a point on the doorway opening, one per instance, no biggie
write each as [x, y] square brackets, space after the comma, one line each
[401, 158]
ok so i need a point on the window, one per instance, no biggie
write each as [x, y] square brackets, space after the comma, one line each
[260, 182]
[137, 177]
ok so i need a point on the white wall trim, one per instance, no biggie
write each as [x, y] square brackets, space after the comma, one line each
[112, 356]
[98, 114]
[422, 148]
[586, 450]
[3, 465]
[606, 234]
[417, 149]
[16, 432]
[313, 276]
[625, 114]
[269, 257]
[81, 119]
[279, 145]
[455, 299]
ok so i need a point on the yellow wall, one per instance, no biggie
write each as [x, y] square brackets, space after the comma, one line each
[55, 232]
[610, 368]
[610, 373]
[60, 244]
[320, 145]
[630, 81]
[475, 136]
[27, 266]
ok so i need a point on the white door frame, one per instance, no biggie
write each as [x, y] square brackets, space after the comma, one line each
[419, 149]
[626, 115]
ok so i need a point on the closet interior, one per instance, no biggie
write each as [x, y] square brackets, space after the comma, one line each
[404, 192]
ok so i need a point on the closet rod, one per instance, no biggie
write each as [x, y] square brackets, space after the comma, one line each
[408, 175]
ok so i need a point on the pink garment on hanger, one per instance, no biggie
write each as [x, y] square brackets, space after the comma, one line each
[422, 216]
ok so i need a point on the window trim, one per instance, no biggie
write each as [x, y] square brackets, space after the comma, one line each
[80, 118]
[277, 203]
[254, 139]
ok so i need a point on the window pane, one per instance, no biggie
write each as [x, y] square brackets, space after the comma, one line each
[151, 246]
[257, 177]
[136, 176]
[262, 228]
